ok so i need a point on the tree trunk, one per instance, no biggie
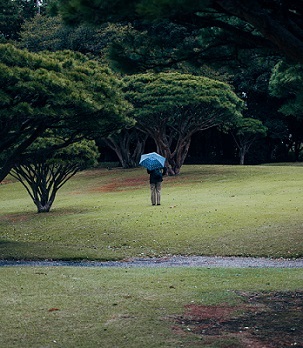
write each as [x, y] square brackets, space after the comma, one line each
[128, 146]
[243, 150]
[43, 208]
[174, 157]
[297, 149]
[42, 181]
[242, 156]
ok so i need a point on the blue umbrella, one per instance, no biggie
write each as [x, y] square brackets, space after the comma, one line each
[152, 161]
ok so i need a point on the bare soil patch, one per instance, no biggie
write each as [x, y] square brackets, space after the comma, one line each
[17, 217]
[262, 320]
[6, 181]
[121, 184]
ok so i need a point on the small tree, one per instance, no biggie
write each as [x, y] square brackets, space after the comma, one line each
[247, 131]
[43, 173]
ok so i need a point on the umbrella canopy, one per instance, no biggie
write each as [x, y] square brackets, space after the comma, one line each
[152, 161]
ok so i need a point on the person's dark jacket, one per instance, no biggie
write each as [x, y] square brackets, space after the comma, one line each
[156, 175]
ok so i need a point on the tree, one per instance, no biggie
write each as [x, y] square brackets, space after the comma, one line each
[128, 144]
[13, 13]
[42, 33]
[128, 48]
[286, 83]
[43, 172]
[158, 47]
[171, 107]
[166, 46]
[49, 33]
[9, 19]
[245, 133]
[61, 90]
[276, 25]
[250, 75]
[230, 36]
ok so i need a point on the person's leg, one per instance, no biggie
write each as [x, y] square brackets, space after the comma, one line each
[153, 194]
[158, 192]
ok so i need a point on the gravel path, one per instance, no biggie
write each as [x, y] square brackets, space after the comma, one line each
[172, 261]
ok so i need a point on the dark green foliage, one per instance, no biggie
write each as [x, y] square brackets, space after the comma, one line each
[224, 40]
[276, 25]
[12, 16]
[245, 133]
[43, 171]
[171, 107]
[50, 33]
[9, 19]
[287, 82]
[161, 46]
[63, 91]
[79, 11]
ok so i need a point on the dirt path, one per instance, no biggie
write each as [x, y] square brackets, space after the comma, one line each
[171, 261]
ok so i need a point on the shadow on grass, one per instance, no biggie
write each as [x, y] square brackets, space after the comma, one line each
[41, 251]
[12, 250]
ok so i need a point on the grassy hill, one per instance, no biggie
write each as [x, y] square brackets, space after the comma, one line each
[207, 210]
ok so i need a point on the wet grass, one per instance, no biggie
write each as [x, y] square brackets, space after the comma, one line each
[207, 210]
[100, 214]
[110, 307]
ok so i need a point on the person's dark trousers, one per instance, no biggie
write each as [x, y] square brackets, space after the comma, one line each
[155, 193]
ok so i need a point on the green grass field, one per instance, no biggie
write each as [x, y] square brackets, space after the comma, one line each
[120, 308]
[206, 210]
[103, 215]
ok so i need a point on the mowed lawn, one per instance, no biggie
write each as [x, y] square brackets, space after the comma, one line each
[207, 210]
[106, 214]
[72, 307]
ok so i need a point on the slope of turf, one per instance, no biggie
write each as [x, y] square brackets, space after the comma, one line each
[206, 210]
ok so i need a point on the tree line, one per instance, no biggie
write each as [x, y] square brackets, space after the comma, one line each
[165, 72]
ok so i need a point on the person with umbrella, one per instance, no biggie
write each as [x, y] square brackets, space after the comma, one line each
[154, 163]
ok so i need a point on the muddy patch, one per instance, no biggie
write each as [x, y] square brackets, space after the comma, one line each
[266, 319]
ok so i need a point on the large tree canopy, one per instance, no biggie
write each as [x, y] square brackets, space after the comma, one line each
[57, 91]
[171, 107]
[277, 25]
